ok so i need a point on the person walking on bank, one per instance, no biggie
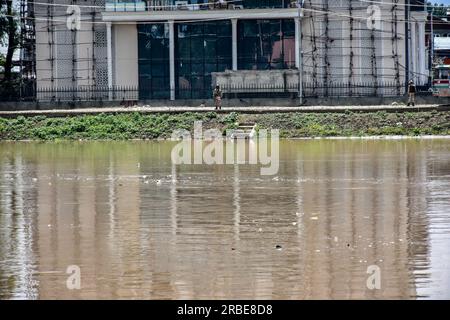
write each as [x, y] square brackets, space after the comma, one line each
[411, 93]
[217, 95]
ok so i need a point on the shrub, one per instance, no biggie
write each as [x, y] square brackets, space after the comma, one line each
[211, 115]
[230, 118]
[3, 125]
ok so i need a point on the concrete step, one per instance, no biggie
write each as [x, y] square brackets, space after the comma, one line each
[246, 125]
[244, 131]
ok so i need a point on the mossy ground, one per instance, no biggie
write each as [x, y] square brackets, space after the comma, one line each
[291, 125]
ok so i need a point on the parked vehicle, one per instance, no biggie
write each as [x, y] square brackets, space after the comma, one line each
[441, 80]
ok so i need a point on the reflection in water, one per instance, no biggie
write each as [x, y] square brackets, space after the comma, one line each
[140, 227]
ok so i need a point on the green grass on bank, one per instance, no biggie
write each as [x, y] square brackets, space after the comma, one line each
[291, 125]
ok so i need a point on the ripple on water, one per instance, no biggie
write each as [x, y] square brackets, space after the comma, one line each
[139, 227]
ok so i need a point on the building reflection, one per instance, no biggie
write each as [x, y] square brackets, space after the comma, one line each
[17, 218]
[140, 227]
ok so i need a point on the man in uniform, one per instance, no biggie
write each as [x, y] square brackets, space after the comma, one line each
[411, 93]
[217, 95]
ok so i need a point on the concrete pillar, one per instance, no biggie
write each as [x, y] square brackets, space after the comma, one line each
[297, 42]
[422, 66]
[413, 51]
[172, 59]
[109, 58]
[234, 43]
[125, 62]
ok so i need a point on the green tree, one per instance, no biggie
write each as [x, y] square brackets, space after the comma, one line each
[439, 10]
[9, 38]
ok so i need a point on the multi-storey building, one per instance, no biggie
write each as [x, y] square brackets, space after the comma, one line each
[171, 49]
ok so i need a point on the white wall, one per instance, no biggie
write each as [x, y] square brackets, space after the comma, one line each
[125, 55]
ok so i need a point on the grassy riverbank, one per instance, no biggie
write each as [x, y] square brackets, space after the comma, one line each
[291, 125]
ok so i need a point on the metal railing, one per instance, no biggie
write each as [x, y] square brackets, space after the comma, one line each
[170, 5]
[135, 93]
[88, 93]
[16, 91]
[316, 90]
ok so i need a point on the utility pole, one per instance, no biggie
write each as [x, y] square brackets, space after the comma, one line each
[300, 66]
[432, 47]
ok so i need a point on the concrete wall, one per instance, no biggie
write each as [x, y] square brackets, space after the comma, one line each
[282, 79]
[337, 49]
[84, 51]
[69, 58]
[43, 55]
[125, 55]
[376, 102]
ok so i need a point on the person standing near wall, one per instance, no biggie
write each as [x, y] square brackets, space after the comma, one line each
[217, 95]
[411, 93]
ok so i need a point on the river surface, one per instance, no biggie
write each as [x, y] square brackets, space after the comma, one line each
[139, 227]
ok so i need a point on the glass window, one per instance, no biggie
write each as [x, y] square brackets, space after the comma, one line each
[209, 45]
[266, 44]
[153, 61]
[184, 48]
[210, 48]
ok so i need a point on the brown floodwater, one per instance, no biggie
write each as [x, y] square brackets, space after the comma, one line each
[139, 227]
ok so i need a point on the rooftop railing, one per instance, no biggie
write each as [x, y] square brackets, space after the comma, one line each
[170, 5]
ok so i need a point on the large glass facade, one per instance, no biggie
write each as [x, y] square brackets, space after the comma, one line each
[200, 49]
[266, 44]
[205, 47]
[153, 55]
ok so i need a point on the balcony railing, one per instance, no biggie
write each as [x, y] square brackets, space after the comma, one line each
[168, 5]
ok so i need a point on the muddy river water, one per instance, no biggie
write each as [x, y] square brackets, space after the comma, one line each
[135, 226]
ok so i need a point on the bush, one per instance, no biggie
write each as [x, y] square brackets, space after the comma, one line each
[3, 125]
[211, 115]
[230, 118]
[152, 126]
[392, 131]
